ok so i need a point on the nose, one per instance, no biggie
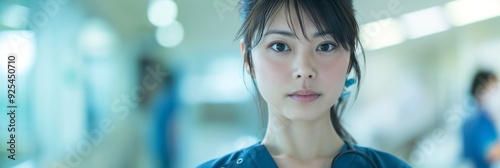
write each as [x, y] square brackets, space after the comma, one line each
[304, 68]
[304, 74]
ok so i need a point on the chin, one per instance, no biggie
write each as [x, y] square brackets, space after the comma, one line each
[310, 113]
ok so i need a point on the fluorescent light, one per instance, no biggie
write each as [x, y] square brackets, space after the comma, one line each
[171, 35]
[162, 13]
[424, 22]
[15, 16]
[380, 34]
[462, 12]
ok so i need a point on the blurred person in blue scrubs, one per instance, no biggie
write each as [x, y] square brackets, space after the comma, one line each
[480, 136]
[300, 55]
[162, 101]
[163, 131]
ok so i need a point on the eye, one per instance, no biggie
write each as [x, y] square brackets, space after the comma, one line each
[280, 47]
[326, 47]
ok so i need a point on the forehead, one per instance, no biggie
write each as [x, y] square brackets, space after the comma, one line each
[287, 18]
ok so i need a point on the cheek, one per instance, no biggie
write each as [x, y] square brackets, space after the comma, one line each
[270, 75]
[334, 74]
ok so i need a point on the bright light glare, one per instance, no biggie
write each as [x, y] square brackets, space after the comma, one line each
[171, 35]
[162, 13]
[425, 22]
[463, 12]
[380, 34]
[97, 38]
[22, 44]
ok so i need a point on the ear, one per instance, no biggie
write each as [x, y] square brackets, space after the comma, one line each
[245, 60]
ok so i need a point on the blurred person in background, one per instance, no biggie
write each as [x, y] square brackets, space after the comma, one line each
[162, 126]
[480, 136]
[162, 103]
[299, 55]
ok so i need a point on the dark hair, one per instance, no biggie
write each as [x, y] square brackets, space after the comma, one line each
[333, 18]
[481, 79]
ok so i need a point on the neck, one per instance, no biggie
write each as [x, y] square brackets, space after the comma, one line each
[302, 140]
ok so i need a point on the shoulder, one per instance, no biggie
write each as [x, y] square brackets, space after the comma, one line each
[382, 159]
[240, 158]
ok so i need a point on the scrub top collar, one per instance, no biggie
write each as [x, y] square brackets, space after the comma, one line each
[265, 160]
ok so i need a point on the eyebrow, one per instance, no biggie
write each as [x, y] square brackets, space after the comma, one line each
[291, 34]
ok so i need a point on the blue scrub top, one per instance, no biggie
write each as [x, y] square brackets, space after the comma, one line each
[478, 135]
[257, 156]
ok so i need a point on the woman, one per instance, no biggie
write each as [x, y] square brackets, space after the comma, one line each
[299, 54]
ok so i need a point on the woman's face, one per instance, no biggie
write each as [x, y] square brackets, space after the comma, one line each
[299, 78]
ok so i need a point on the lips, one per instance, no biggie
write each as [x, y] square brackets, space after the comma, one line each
[304, 96]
